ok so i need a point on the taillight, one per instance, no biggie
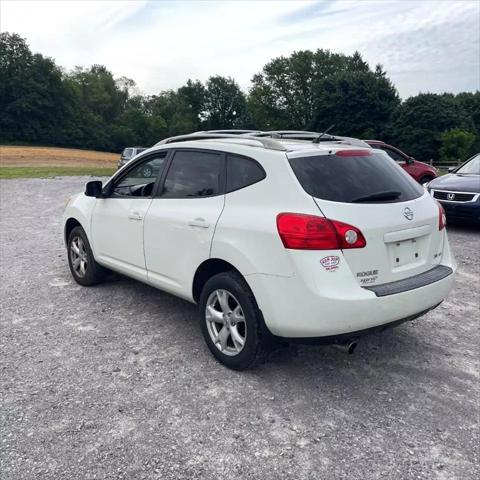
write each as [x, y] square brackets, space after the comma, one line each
[442, 218]
[348, 235]
[309, 232]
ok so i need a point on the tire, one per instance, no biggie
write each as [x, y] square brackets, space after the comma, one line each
[425, 179]
[228, 349]
[147, 171]
[83, 267]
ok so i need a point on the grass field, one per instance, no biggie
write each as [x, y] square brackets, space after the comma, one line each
[29, 162]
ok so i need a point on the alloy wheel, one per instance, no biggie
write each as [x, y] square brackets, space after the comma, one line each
[226, 322]
[78, 256]
[147, 172]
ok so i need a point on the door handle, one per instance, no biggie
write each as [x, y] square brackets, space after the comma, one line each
[198, 222]
[135, 216]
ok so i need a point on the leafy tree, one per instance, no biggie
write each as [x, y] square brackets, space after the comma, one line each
[357, 104]
[225, 103]
[418, 123]
[143, 128]
[89, 108]
[456, 145]
[469, 104]
[312, 90]
[176, 111]
[192, 95]
[33, 98]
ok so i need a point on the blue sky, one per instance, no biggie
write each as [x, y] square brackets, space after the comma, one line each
[425, 46]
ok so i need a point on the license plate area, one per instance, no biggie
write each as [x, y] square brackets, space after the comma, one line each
[406, 253]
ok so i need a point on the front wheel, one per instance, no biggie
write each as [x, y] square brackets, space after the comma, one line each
[147, 171]
[85, 270]
[231, 322]
[425, 179]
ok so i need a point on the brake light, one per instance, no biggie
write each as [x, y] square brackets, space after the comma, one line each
[353, 153]
[309, 232]
[442, 218]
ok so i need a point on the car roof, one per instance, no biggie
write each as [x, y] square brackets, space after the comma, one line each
[289, 147]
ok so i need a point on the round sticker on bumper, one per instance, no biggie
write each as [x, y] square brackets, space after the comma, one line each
[330, 263]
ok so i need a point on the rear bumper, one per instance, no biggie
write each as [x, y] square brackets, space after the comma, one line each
[346, 337]
[421, 280]
[296, 307]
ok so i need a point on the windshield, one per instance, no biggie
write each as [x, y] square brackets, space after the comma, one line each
[128, 152]
[472, 167]
[355, 177]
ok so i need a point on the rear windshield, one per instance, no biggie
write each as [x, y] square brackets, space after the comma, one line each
[370, 178]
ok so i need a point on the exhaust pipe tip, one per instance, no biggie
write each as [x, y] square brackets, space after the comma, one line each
[347, 347]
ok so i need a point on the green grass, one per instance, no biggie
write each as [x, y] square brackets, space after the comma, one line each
[47, 172]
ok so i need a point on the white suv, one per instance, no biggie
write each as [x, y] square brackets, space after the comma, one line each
[272, 238]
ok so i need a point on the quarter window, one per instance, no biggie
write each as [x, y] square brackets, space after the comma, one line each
[194, 174]
[139, 181]
[242, 172]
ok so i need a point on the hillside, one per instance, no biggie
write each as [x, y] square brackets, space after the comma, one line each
[19, 161]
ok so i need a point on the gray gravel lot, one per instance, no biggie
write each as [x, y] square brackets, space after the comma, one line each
[115, 381]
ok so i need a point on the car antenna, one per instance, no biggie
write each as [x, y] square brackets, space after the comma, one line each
[317, 140]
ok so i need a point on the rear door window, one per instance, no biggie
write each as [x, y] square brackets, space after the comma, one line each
[242, 172]
[361, 177]
[194, 174]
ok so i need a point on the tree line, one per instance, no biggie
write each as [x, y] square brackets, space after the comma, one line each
[42, 104]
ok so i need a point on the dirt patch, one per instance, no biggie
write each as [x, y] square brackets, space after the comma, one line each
[15, 156]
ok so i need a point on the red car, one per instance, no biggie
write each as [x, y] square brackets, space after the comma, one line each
[421, 172]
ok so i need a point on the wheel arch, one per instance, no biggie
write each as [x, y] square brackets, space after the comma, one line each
[207, 270]
[70, 224]
[425, 177]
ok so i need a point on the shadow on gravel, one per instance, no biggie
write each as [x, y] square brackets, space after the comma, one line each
[405, 345]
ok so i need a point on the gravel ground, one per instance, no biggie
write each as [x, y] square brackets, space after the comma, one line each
[115, 381]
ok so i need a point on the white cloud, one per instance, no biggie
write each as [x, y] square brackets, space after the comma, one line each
[423, 45]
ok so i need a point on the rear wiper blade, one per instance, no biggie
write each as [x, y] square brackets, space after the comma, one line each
[379, 196]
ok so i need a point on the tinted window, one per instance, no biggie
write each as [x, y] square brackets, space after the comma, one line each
[194, 174]
[393, 154]
[349, 179]
[139, 181]
[242, 172]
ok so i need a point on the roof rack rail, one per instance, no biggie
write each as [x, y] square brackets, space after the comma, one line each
[267, 143]
[314, 137]
[230, 131]
[293, 135]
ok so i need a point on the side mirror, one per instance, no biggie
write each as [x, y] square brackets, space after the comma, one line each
[451, 169]
[94, 189]
[410, 160]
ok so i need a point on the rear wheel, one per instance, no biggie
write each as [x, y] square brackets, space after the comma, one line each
[85, 270]
[231, 322]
